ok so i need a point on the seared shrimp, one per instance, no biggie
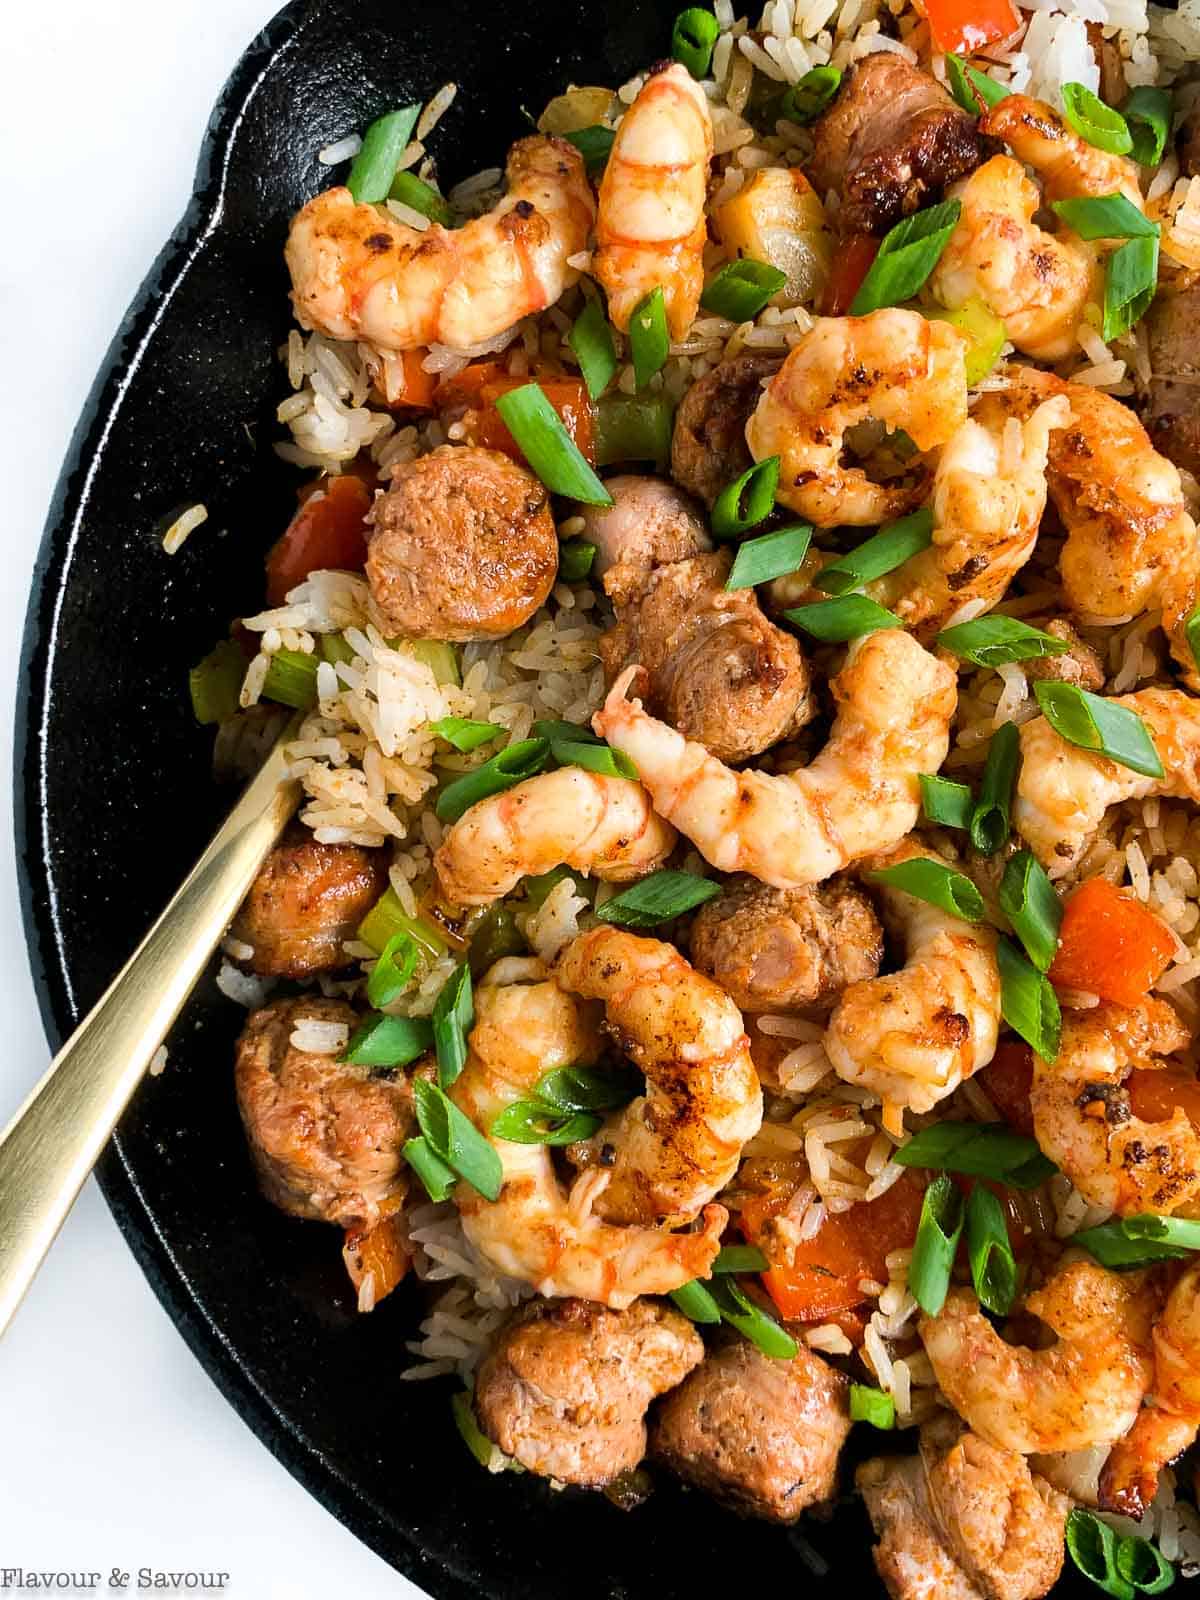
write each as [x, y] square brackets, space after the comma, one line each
[1084, 1389]
[1082, 1116]
[571, 818]
[1063, 791]
[895, 702]
[894, 366]
[525, 1026]
[650, 229]
[1067, 164]
[912, 1036]
[357, 273]
[671, 1151]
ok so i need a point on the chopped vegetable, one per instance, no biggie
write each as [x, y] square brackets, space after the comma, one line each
[872, 1405]
[983, 331]
[692, 39]
[387, 917]
[421, 196]
[746, 501]
[592, 341]
[215, 683]
[945, 802]
[659, 898]
[1027, 1001]
[739, 1258]
[935, 883]
[1093, 723]
[594, 145]
[964, 26]
[1110, 945]
[1143, 1564]
[575, 560]
[435, 1174]
[1030, 902]
[435, 654]
[847, 617]
[453, 1014]
[649, 341]
[804, 102]
[495, 936]
[1092, 120]
[593, 756]
[327, 531]
[383, 144]
[979, 1149]
[1147, 114]
[455, 1138]
[381, 1251]
[771, 555]
[891, 547]
[994, 641]
[548, 447]
[907, 255]
[1155, 1095]
[589, 1088]
[634, 428]
[973, 89]
[391, 973]
[776, 218]
[1109, 216]
[464, 733]
[572, 732]
[531, 1122]
[751, 1321]
[694, 1300]
[993, 1267]
[567, 404]
[938, 1233]
[1130, 284]
[291, 679]
[990, 818]
[1120, 1564]
[1191, 630]
[1007, 1080]
[850, 266]
[741, 289]
[1129, 1242]
[388, 1041]
[576, 110]
[511, 766]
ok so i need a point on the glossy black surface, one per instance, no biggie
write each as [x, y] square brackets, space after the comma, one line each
[114, 803]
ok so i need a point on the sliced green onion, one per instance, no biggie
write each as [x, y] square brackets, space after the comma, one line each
[1092, 120]
[384, 142]
[649, 341]
[692, 40]
[381, 1041]
[935, 883]
[971, 88]
[548, 447]
[594, 145]
[215, 684]
[872, 1405]
[938, 1233]
[995, 641]
[592, 341]
[531, 1122]
[495, 936]
[945, 802]
[391, 973]
[421, 196]
[751, 1321]
[572, 732]
[1092, 1546]
[1191, 629]
[537, 889]
[334, 648]
[593, 757]
[438, 1178]
[588, 1088]
[659, 898]
[1030, 902]
[453, 1014]
[848, 617]
[634, 427]
[908, 254]
[1139, 1241]
[891, 547]
[464, 733]
[1130, 284]
[1111, 730]
[739, 1258]
[1143, 1565]
[741, 289]
[746, 501]
[455, 1138]
[511, 766]
[476, 1441]
[1147, 114]
[291, 679]
[441, 658]
[694, 1300]
[803, 102]
[1108, 216]
[1028, 1001]
[387, 917]
[980, 1150]
[993, 1268]
[771, 555]
[990, 818]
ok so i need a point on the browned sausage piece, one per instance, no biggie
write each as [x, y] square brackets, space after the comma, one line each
[649, 523]
[564, 1390]
[891, 138]
[708, 447]
[780, 949]
[463, 547]
[760, 1434]
[326, 1137]
[1173, 407]
[307, 899]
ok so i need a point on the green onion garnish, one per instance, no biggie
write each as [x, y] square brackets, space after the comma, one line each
[938, 1233]
[847, 617]
[739, 1258]
[530, 1122]
[387, 918]
[575, 560]
[746, 501]
[494, 936]
[1191, 629]
[1120, 1564]
[464, 733]
[512, 766]
[421, 196]
[572, 732]
[589, 1088]
[1111, 730]
[1130, 284]
[455, 1138]
[993, 1269]
[945, 802]
[1092, 120]
[384, 142]
[391, 973]
[291, 679]
[771, 555]
[1139, 1241]
[1030, 902]
[995, 641]
[649, 341]
[692, 40]
[908, 254]
[659, 898]
[453, 1014]
[548, 447]
[741, 289]
[438, 1178]
[872, 1405]
[381, 1041]
[634, 427]
[1143, 1564]
[803, 102]
[473, 1436]
[990, 818]
[537, 889]
[972, 89]
[1108, 216]
[593, 757]
[592, 341]
[1028, 1001]
[215, 683]
[935, 883]
[1147, 114]
[891, 547]
[751, 1321]
[980, 1150]
[694, 1300]
[594, 145]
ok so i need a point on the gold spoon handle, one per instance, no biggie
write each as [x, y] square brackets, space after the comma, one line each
[54, 1140]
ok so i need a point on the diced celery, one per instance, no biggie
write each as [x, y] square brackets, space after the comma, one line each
[496, 935]
[216, 682]
[984, 332]
[387, 917]
[633, 428]
[334, 648]
[292, 679]
[439, 657]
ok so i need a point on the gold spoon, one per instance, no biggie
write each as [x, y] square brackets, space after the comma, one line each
[56, 1137]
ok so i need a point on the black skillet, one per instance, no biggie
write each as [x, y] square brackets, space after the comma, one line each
[114, 802]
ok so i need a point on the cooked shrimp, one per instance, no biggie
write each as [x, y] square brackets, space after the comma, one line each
[1067, 164]
[861, 794]
[650, 229]
[1082, 1390]
[1063, 791]
[1082, 1116]
[673, 1150]
[913, 1036]
[525, 1026]
[570, 818]
[894, 366]
[358, 273]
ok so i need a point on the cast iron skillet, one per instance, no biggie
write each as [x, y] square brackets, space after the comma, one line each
[114, 802]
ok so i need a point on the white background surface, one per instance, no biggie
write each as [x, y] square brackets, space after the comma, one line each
[117, 1450]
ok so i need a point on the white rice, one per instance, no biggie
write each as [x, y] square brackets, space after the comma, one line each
[158, 1062]
[319, 1038]
[184, 524]
[242, 987]
[340, 150]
